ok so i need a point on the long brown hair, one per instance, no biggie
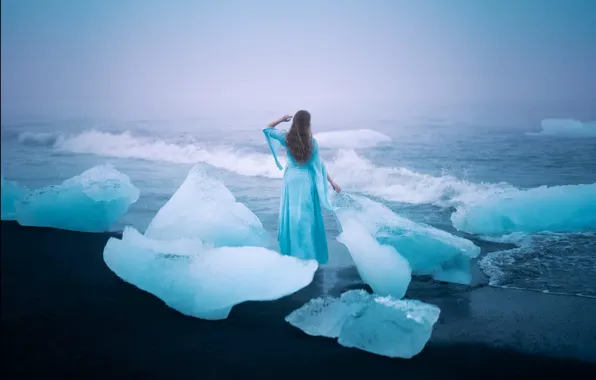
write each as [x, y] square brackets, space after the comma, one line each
[299, 138]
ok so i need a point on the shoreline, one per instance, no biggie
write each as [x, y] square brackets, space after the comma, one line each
[65, 313]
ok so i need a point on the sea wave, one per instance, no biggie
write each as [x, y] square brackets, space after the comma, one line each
[399, 184]
[39, 138]
[351, 170]
[127, 145]
[548, 262]
[566, 128]
[351, 139]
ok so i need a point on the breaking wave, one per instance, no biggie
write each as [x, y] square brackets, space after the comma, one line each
[351, 139]
[353, 171]
[125, 145]
[399, 184]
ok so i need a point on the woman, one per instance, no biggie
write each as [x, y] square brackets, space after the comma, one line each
[301, 232]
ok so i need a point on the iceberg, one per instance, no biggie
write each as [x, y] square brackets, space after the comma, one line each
[570, 208]
[428, 250]
[201, 281]
[380, 266]
[566, 128]
[380, 325]
[192, 255]
[204, 207]
[12, 192]
[89, 202]
[351, 139]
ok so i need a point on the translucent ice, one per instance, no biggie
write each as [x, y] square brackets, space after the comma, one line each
[186, 257]
[380, 266]
[205, 282]
[91, 201]
[558, 208]
[391, 327]
[326, 316]
[380, 325]
[11, 193]
[567, 128]
[429, 251]
[204, 208]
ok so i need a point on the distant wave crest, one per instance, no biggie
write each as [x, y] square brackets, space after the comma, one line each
[126, 145]
[39, 138]
[566, 128]
[351, 139]
[352, 171]
[243, 162]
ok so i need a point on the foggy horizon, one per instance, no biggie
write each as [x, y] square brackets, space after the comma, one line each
[184, 59]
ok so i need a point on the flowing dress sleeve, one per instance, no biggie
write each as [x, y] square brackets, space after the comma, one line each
[275, 139]
[321, 178]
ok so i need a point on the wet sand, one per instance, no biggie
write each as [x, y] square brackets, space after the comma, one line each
[64, 313]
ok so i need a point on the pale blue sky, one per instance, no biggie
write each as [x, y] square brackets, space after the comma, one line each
[176, 58]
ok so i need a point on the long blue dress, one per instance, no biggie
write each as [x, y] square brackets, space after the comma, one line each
[301, 232]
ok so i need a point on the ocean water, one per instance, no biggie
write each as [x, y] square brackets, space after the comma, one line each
[425, 169]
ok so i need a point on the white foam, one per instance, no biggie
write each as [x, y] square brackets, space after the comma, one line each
[352, 171]
[544, 261]
[351, 139]
[355, 173]
[126, 145]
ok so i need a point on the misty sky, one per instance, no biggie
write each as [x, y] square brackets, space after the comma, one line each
[159, 58]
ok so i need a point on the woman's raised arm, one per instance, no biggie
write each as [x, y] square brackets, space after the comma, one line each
[284, 119]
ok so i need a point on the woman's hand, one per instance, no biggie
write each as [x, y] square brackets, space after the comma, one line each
[284, 119]
[336, 187]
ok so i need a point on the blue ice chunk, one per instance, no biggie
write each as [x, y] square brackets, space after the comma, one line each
[192, 258]
[11, 193]
[201, 281]
[380, 266]
[90, 202]
[566, 128]
[429, 251]
[203, 207]
[570, 208]
[325, 316]
[391, 327]
[381, 325]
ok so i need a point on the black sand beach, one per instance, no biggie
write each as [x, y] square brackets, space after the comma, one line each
[64, 313]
